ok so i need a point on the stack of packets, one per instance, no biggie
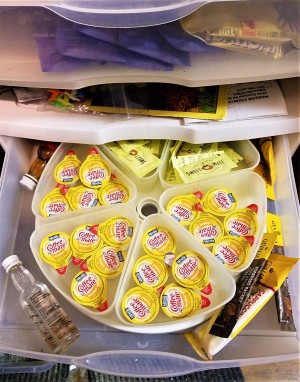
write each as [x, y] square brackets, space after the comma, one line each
[268, 28]
[266, 169]
[192, 162]
[255, 287]
[141, 157]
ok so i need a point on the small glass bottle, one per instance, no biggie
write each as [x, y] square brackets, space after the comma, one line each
[36, 299]
[45, 151]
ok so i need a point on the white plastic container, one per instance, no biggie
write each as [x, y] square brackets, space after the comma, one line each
[63, 282]
[248, 187]
[244, 148]
[107, 350]
[223, 285]
[47, 183]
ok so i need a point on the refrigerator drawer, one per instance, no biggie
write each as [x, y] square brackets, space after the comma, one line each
[111, 351]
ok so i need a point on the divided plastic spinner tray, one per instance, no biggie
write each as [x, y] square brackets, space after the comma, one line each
[246, 185]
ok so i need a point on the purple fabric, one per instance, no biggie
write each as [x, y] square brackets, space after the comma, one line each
[149, 42]
[179, 38]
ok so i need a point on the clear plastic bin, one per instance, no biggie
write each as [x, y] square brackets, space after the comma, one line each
[133, 13]
[112, 351]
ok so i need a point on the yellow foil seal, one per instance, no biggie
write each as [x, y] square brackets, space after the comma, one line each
[179, 302]
[219, 201]
[116, 231]
[242, 222]
[190, 269]
[184, 208]
[88, 288]
[66, 172]
[107, 261]
[158, 241]
[94, 171]
[83, 243]
[82, 197]
[55, 250]
[207, 228]
[54, 203]
[232, 251]
[149, 272]
[140, 306]
[112, 193]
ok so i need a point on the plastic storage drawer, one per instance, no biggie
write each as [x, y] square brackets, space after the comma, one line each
[111, 351]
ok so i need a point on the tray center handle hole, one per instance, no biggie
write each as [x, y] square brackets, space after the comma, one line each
[146, 207]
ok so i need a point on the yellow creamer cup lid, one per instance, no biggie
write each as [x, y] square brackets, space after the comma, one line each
[190, 269]
[89, 288]
[112, 193]
[177, 301]
[54, 203]
[83, 243]
[232, 251]
[82, 197]
[185, 208]
[158, 241]
[66, 172]
[150, 272]
[207, 228]
[219, 201]
[107, 261]
[116, 231]
[94, 172]
[242, 222]
[140, 306]
[55, 250]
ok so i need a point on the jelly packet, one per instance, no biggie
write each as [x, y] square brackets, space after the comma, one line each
[260, 27]
[272, 276]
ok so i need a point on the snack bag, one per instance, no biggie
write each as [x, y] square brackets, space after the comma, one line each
[275, 271]
[260, 27]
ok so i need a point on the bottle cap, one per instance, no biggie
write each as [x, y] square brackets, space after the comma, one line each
[28, 182]
[11, 261]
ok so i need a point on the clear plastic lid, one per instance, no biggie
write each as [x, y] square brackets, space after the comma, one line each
[11, 261]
